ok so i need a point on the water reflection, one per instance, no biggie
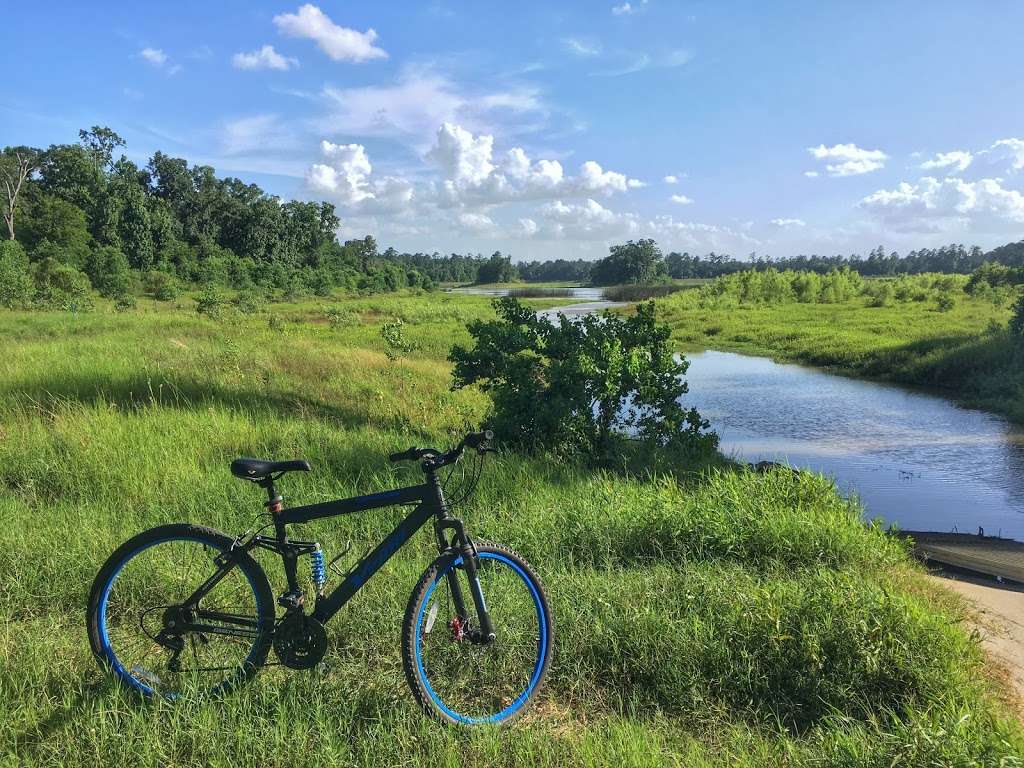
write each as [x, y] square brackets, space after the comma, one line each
[913, 458]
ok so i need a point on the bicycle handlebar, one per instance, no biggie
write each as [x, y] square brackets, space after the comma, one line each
[475, 440]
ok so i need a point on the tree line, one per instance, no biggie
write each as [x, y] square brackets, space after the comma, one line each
[83, 216]
[78, 215]
[642, 261]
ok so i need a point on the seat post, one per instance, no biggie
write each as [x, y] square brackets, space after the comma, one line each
[274, 502]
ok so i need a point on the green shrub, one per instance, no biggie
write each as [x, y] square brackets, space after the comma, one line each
[61, 286]
[338, 317]
[881, 293]
[395, 342]
[1017, 321]
[581, 385]
[124, 303]
[249, 301]
[109, 272]
[16, 286]
[211, 302]
[945, 301]
[161, 285]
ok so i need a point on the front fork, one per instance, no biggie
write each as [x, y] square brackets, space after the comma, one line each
[461, 543]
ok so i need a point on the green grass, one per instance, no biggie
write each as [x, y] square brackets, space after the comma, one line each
[736, 619]
[966, 353]
[641, 292]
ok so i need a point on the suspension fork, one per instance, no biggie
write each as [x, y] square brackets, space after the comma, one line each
[463, 545]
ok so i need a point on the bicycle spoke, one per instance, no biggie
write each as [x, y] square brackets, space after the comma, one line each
[479, 680]
[153, 582]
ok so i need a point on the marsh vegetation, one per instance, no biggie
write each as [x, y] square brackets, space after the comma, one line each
[715, 616]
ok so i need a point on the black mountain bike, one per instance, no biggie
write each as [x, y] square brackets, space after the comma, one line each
[183, 610]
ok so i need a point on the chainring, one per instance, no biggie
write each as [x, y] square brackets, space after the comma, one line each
[300, 641]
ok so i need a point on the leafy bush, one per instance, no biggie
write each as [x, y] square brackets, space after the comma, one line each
[945, 301]
[16, 286]
[109, 272]
[338, 317]
[395, 342]
[124, 303]
[581, 385]
[993, 275]
[1017, 321]
[160, 285]
[628, 293]
[211, 302]
[61, 286]
[249, 301]
[881, 293]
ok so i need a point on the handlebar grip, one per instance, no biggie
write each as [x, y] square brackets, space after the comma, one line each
[476, 439]
[409, 454]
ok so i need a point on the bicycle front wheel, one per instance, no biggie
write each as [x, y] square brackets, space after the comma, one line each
[454, 676]
[147, 625]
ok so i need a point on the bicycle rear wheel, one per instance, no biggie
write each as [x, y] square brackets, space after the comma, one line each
[144, 628]
[461, 681]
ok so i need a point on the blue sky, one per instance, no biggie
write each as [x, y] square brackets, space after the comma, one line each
[553, 129]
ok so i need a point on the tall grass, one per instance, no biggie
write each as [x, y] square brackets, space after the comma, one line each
[737, 618]
[539, 293]
[640, 292]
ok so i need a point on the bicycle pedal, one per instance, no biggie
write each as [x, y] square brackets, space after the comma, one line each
[292, 600]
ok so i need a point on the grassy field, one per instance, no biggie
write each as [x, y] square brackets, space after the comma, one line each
[965, 352]
[733, 619]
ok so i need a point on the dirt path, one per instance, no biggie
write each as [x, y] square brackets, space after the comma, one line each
[1000, 621]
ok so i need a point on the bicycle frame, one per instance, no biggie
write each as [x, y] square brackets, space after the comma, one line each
[430, 502]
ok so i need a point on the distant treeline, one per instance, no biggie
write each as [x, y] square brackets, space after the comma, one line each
[80, 217]
[642, 261]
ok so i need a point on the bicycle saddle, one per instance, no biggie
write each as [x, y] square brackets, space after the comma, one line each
[258, 469]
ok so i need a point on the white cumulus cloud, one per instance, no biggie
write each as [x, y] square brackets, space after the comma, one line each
[345, 176]
[465, 158]
[849, 159]
[956, 160]
[264, 58]
[588, 220]
[472, 175]
[670, 179]
[1010, 152]
[475, 222]
[681, 199]
[934, 205]
[339, 43]
[788, 223]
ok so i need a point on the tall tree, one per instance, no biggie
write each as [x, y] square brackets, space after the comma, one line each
[16, 166]
[637, 261]
[100, 142]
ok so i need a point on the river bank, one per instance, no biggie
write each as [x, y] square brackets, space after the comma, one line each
[997, 615]
[964, 353]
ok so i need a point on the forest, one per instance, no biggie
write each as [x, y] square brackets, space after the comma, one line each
[79, 216]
